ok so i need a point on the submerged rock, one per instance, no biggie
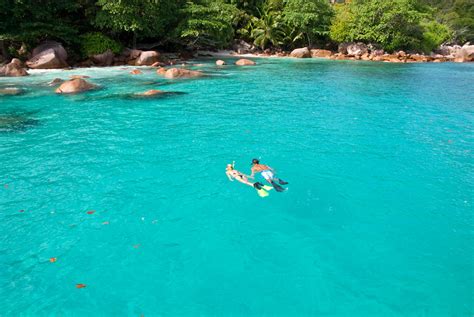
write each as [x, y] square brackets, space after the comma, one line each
[301, 53]
[161, 71]
[75, 86]
[136, 72]
[15, 122]
[10, 91]
[55, 82]
[151, 92]
[79, 76]
[173, 73]
[245, 62]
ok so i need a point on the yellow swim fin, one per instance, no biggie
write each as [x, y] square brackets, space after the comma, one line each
[262, 193]
[266, 187]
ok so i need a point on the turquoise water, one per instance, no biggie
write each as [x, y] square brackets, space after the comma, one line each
[377, 219]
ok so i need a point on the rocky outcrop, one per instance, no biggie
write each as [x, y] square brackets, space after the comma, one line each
[13, 69]
[147, 58]
[174, 73]
[315, 53]
[48, 59]
[220, 62]
[465, 54]
[104, 59]
[74, 86]
[301, 53]
[245, 62]
[356, 49]
[48, 55]
[50, 45]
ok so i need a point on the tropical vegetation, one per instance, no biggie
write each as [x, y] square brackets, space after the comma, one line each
[92, 26]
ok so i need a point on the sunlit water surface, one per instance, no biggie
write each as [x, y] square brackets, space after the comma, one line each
[377, 219]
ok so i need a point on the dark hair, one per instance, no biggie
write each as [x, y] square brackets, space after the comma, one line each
[255, 161]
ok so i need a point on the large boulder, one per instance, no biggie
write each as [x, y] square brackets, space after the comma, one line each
[173, 73]
[50, 45]
[301, 53]
[74, 86]
[13, 69]
[465, 54]
[104, 59]
[48, 59]
[356, 49]
[320, 53]
[220, 62]
[244, 62]
[147, 58]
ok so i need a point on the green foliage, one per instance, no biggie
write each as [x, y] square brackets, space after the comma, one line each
[268, 29]
[98, 43]
[207, 23]
[145, 18]
[434, 34]
[307, 19]
[32, 21]
[395, 24]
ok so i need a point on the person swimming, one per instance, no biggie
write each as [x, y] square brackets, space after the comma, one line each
[268, 173]
[235, 174]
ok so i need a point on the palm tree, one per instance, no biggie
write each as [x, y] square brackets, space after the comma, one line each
[268, 29]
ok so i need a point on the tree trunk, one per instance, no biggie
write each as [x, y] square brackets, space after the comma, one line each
[309, 40]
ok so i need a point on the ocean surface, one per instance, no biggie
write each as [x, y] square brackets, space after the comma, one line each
[129, 196]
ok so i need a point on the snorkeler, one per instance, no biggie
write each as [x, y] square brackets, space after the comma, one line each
[233, 173]
[267, 173]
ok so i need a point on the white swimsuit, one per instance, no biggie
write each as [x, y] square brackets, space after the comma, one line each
[267, 174]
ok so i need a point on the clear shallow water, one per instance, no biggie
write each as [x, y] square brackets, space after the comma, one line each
[377, 221]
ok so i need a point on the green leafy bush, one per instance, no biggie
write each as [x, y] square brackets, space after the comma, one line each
[434, 34]
[98, 43]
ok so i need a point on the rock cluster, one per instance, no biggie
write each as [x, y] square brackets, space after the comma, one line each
[13, 69]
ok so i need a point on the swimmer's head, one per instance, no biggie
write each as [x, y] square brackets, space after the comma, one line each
[230, 167]
[255, 161]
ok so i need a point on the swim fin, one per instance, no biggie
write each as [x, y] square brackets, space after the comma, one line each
[266, 187]
[278, 188]
[282, 182]
[258, 185]
[262, 193]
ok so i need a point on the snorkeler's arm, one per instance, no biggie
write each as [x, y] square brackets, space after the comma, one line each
[229, 177]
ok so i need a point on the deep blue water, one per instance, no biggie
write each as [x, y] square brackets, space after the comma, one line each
[377, 219]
